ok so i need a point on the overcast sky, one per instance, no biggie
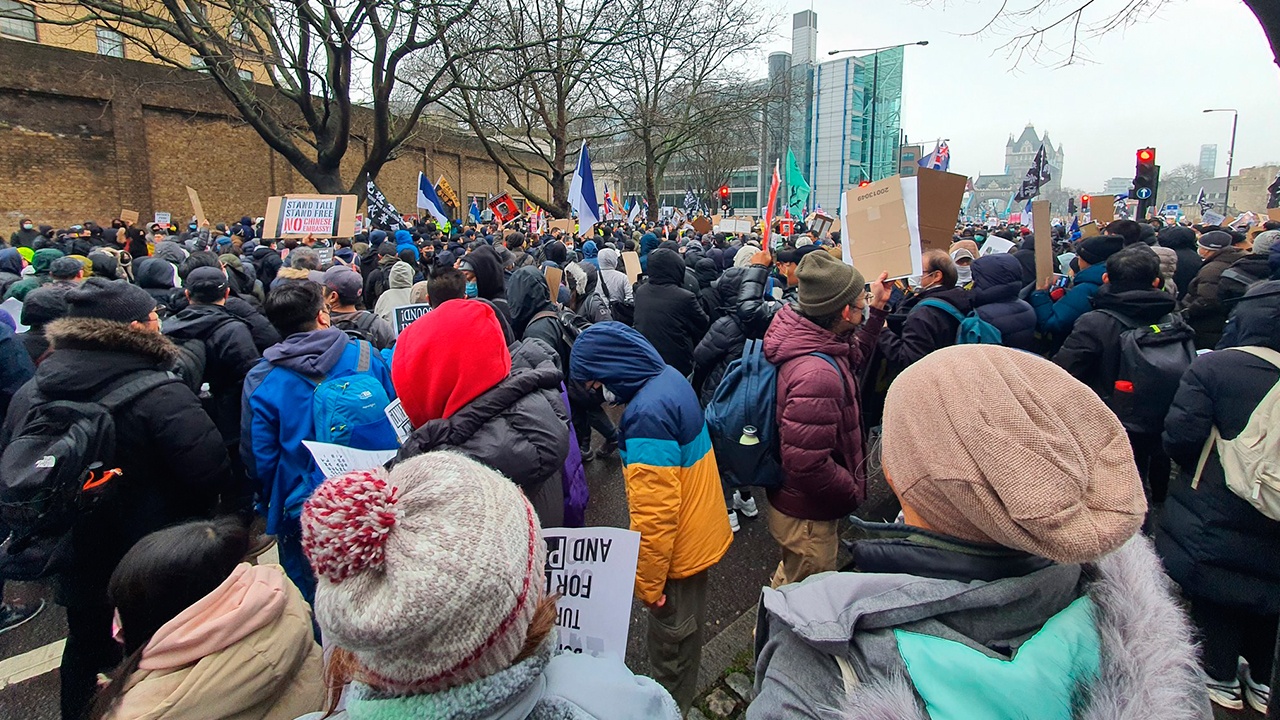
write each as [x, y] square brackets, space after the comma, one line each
[1196, 54]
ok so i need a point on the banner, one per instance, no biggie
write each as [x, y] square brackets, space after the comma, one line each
[446, 193]
[504, 208]
[593, 570]
[381, 212]
[316, 215]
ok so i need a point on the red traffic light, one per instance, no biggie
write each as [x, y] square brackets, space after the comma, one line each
[724, 192]
[864, 183]
[1084, 198]
[1146, 155]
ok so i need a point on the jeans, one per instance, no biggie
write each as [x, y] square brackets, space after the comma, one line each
[1227, 633]
[589, 417]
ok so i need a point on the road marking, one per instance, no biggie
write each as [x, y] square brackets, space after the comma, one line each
[32, 663]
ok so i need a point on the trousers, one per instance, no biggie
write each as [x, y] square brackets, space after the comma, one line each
[808, 547]
[675, 637]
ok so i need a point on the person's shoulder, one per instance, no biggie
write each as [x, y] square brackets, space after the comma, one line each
[604, 686]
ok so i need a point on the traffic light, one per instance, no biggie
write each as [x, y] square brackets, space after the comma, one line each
[1084, 203]
[863, 183]
[723, 192]
[1145, 180]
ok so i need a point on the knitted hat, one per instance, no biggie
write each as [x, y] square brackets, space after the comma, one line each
[1097, 249]
[1265, 241]
[826, 284]
[428, 574]
[1040, 465]
[1215, 240]
[109, 300]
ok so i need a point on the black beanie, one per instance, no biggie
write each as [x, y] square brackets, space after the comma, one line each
[109, 300]
[1097, 249]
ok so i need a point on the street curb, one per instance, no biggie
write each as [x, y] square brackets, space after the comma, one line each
[726, 646]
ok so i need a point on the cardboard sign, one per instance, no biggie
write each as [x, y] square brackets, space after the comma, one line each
[197, 209]
[940, 196]
[1089, 229]
[1273, 214]
[504, 208]
[316, 215]
[593, 570]
[406, 314]
[631, 261]
[702, 225]
[163, 219]
[1044, 238]
[565, 225]
[553, 275]
[130, 217]
[821, 224]
[876, 230]
[1102, 209]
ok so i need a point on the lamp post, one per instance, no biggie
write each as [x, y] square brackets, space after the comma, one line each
[875, 92]
[1231, 153]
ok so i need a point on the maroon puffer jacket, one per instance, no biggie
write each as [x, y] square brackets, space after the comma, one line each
[819, 422]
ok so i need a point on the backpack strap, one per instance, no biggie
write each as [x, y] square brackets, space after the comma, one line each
[1262, 353]
[943, 306]
[365, 321]
[1123, 319]
[132, 389]
[366, 353]
[844, 383]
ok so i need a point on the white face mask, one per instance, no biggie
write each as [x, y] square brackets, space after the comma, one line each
[964, 273]
[609, 397]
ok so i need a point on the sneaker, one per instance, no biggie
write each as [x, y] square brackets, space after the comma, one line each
[12, 614]
[746, 507]
[1225, 695]
[588, 455]
[733, 521]
[608, 448]
[1256, 694]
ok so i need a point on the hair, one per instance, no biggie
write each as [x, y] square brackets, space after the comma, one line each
[163, 574]
[515, 240]
[207, 295]
[940, 261]
[1134, 267]
[446, 284]
[1127, 229]
[304, 258]
[408, 256]
[1271, 225]
[292, 307]
[200, 259]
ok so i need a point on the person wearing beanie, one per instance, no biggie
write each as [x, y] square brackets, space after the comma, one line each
[499, 406]
[1057, 317]
[1182, 240]
[918, 326]
[1201, 306]
[173, 466]
[667, 314]
[278, 415]
[42, 306]
[1250, 269]
[673, 492]
[432, 594]
[819, 415]
[1016, 584]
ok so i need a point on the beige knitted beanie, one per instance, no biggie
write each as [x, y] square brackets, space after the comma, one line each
[428, 574]
[826, 284]
[1028, 458]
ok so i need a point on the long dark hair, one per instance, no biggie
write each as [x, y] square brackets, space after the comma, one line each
[163, 574]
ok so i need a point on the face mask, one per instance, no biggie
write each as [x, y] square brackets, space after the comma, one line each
[471, 289]
[27, 226]
[964, 273]
[914, 282]
[609, 397]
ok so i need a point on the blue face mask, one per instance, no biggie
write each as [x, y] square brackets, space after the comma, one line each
[471, 289]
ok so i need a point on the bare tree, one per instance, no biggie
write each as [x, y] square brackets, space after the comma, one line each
[731, 142]
[1181, 183]
[324, 59]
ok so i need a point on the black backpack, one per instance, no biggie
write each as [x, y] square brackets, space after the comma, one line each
[1153, 359]
[360, 327]
[60, 465]
[571, 326]
[622, 310]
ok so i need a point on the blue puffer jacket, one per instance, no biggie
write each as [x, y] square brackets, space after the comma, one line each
[997, 279]
[1057, 318]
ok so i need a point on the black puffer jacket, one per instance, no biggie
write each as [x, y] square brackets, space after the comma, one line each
[173, 461]
[1091, 353]
[490, 281]
[1213, 542]
[668, 315]
[229, 355]
[1244, 272]
[528, 295]
[156, 276]
[723, 342]
[1201, 307]
[518, 427]
[912, 332]
[1182, 240]
[264, 333]
[997, 280]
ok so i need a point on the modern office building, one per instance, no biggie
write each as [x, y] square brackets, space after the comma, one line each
[1208, 160]
[909, 158]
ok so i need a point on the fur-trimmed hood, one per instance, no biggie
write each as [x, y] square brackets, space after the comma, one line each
[110, 336]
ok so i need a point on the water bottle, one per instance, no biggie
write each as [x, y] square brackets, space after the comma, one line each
[749, 436]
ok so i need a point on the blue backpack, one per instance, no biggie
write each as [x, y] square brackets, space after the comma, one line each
[348, 408]
[741, 419]
[973, 329]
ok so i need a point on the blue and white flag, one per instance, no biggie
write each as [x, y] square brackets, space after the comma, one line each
[475, 211]
[939, 159]
[430, 201]
[636, 209]
[582, 194]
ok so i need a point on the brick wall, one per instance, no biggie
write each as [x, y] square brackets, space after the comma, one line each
[82, 136]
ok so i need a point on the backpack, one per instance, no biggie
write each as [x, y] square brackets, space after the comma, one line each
[571, 326]
[973, 330]
[57, 468]
[622, 310]
[746, 399]
[1153, 359]
[1251, 460]
[360, 327]
[349, 408]
[190, 365]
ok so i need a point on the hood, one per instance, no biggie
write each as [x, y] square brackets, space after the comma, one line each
[1146, 305]
[791, 335]
[1256, 317]
[104, 265]
[665, 268]
[589, 249]
[231, 261]
[527, 295]
[487, 266]
[43, 258]
[401, 276]
[435, 374]
[153, 273]
[996, 278]
[106, 351]
[170, 252]
[11, 261]
[403, 237]
[195, 321]
[1178, 237]
[648, 242]
[251, 598]
[727, 288]
[705, 270]
[311, 353]
[593, 277]
[616, 355]
[608, 259]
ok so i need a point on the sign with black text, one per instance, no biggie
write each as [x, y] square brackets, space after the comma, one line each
[406, 314]
[593, 570]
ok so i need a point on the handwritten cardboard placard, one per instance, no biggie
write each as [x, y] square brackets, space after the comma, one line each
[940, 196]
[1102, 209]
[1273, 214]
[196, 208]
[320, 216]
[554, 275]
[876, 230]
[565, 225]
[129, 217]
[702, 225]
[1041, 226]
[631, 261]
[1089, 229]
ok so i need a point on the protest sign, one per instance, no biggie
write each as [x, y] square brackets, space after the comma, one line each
[334, 460]
[940, 194]
[399, 419]
[1273, 214]
[1089, 229]
[315, 215]
[163, 219]
[325, 254]
[995, 245]
[1102, 209]
[631, 261]
[821, 224]
[1044, 239]
[129, 217]
[504, 208]
[876, 230]
[406, 314]
[1213, 218]
[702, 225]
[553, 275]
[565, 225]
[593, 570]
[196, 208]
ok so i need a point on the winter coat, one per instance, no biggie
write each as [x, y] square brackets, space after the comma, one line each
[276, 416]
[1168, 268]
[1182, 240]
[41, 307]
[819, 418]
[619, 284]
[11, 267]
[1026, 257]
[673, 485]
[648, 243]
[724, 341]
[997, 280]
[1213, 542]
[397, 293]
[378, 280]
[372, 327]
[1106, 640]
[1091, 353]
[243, 652]
[173, 463]
[158, 278]
[1236, 279]
[1200, 307]
[264, 333]
[244, 280]
[1057, 318]
[267, 263]
[229, 355]
[39, 276]
[528, 295]
[668, 315]
[23, 238]
[16, 366]
[755, 306]
[914, 331]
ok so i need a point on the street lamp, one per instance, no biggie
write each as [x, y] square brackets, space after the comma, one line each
[875, 93]
[1231, 153]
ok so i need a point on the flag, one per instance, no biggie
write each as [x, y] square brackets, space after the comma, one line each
[475, 211]
[446, 194]
[768, 212]
[939, 159]
[582, 194]
[381, 211]
[608, 203]
[797, 189]
[504, 208]
[690, 202]
[1026, 215]
[430, 201]
[635, 212]
[1009, 208]
[1037, 175]
[1075, 226]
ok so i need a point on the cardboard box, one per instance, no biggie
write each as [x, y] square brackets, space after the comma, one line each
[876, 231]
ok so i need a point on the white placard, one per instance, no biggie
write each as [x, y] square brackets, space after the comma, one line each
[13, 306]
[593, 570]
[995, 245]
[399, 420]
[406, 314]
[316, 216]
[1213, 218]
[163, 219]
[334, 460]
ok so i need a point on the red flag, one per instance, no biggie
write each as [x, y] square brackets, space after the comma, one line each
[768, 212]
